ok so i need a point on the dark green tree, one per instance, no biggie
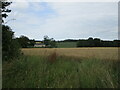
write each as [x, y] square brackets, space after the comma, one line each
[53, 43]
[31, 43]
[10, 47]
[49, 42]
[97, 42]
[46, 40]
[82, 43]
[91, 42]
[23, 41]
[4, 9]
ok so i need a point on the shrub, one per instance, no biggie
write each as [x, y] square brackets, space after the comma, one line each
[10, 47]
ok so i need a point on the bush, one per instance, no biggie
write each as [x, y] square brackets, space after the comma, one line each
[10, 47]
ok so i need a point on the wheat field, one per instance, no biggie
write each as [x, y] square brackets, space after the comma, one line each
[108, 53]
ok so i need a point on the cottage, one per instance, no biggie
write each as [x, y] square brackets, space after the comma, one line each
[39, 44]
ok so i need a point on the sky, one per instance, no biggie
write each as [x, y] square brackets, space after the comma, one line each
[64, 20]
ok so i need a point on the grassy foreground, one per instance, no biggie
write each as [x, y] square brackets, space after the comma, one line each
[60, 72]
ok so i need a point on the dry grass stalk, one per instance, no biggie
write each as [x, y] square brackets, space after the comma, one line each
[52, 57]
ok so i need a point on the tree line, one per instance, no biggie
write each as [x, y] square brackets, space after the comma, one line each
[25, 42]
[93, 42]
[96, 42]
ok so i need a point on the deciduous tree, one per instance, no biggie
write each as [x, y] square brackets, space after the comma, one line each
[10, 47]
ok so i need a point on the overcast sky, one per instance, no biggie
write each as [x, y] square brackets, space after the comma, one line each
[60, 20]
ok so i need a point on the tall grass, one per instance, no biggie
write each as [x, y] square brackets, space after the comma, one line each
[95, 52]
[52, 57]
[65, 72]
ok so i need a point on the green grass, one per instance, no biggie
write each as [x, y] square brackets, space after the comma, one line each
[64, 72]
[66, 44]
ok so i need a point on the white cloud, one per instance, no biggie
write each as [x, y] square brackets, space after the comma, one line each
[80, 18]
[70, 20]
[37, 6]
[66, 0]
[20, 5]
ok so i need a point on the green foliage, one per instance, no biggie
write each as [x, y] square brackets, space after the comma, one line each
[10, 47]
[90, 42]
[96, 42]
[4, 9]
[46, 40]
[65, 72]
[49, 42]
[25, 42]
[31, 43]
[53, 43]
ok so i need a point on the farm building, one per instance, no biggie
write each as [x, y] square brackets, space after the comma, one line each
[39, 44]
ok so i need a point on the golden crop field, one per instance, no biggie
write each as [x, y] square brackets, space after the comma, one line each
[107, 53]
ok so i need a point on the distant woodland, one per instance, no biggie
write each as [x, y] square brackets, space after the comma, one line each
[51, 43]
